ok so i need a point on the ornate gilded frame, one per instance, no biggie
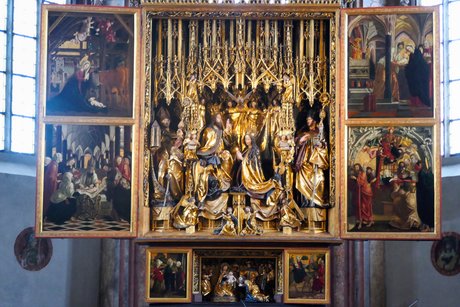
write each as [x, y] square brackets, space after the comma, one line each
[68, 118]
[156, 10]
[304, 256]
[242, 2]
[188, 271]
[79, 13]
[405, 26]
[258, 253]
[383, 123]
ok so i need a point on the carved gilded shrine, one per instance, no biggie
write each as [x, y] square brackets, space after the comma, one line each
[238, 141]
[239, 122]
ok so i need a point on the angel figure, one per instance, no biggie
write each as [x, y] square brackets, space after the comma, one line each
[250, 226]
[288, 85]
[84, 31]
[237, 112]
[229, 224]
[206, 287]
[191, 144]
[185, 213]
[289, 213]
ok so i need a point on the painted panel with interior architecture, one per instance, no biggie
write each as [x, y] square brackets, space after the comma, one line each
[86, 181]
[392, 62]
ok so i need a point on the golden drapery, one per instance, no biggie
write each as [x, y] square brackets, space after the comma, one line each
[271, 128]
[310, 177]
[206, 288]
[224, 173]
[185, 213]
[288, 216]
[212, 146]
[237, 117]
[252, 177]
[228, 229]
[250, 224]
[253, 120]
[223, 288]
[212, 142]
[200, 180]
[218, 163]
[269, 210]
[254, 289]
[176, 173]
[163, 166]
[214, 209]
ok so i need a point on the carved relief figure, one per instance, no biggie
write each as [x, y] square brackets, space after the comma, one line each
[210, 173]
[231, 159]
[225, 283]
[312, 158]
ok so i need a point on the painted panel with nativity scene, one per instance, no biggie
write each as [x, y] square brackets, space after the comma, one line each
[89, 60]
[86, 183]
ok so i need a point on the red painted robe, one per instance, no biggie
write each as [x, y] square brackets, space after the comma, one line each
[364, 199]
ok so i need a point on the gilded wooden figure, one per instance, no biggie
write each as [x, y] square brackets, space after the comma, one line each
[236, 124]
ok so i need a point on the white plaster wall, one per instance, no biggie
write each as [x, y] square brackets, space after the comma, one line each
[71, 277]
[410, 276]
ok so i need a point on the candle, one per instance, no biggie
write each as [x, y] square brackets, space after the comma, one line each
[321, 43]
[231, 33]
[312, 39]
[249, 31]
[169, 40]
[205, 34]
[276, 33]
[155, 135]
[179, 39]
[301, 34]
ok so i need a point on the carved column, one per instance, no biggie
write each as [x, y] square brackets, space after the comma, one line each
[107, 284]
[358, 274]
[114, 276]
[339, 282]
[377, 274]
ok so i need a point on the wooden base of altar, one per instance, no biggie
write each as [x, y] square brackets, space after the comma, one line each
[208, 225]
[270, 226]
[161, 225]
[287, 230]
[224, 299]
[161, 219]
[190, 229]
[317, 227]
[316, 220]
